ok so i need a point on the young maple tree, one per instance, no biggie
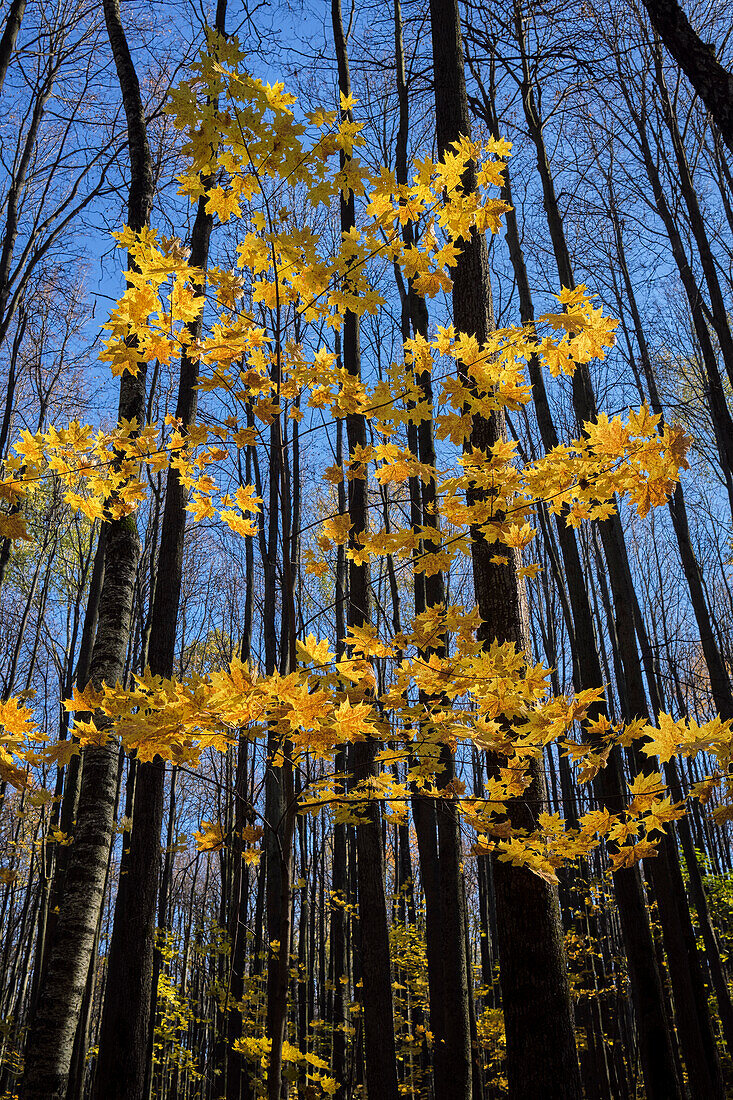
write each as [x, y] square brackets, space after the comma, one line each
[263, 359]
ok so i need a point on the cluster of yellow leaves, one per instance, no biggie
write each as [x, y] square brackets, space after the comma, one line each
[267, 164]
[686, 737]
[152, 322]
[635, 458]
[211, 837]
[245, 133]
[492, 697]
[102, 471]
[295, 1061]
[18, 733]
[174, 1016]
[552, 844]
[153, 265]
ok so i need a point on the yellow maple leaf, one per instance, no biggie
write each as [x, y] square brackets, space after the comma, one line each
[224, 204]
[210, 837]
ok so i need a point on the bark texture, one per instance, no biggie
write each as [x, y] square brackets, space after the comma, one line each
[535, 991]
[125, 1043]
[711, 80]
[379, 1040]
[51, 1040]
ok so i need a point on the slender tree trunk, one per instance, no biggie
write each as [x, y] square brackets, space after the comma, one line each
[125, 1041]
[535, 991]
[50, 1043]
[379, 1040]
[72, 778]
[436, 824]
[237, 1075]
[339, 871]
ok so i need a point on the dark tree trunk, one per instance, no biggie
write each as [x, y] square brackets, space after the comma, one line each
[10, 36]
[339, 881]
[535, 991]
[50, 1043]
[712, 82]
[237, 1072]
[125, 1041]
[379, 1041]
[437, 826]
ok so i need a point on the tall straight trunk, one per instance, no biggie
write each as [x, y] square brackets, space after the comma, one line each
[646, 983]
[125, 1041]
[72, 778]
[436, 825]
[51, 852]
[280, 803]
[125, 1046]
[693, 1019]
[535, 991]
[237, 1073]
[486, 900]
[379, 1040]
[51, 1039]
[237, 1085]
[414, 321]
[278, 973]
[338, 946]
[82, 1041]
[269, 534]
[340, 854]
[280, 907]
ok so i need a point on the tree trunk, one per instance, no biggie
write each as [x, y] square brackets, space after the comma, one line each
[50, 1043]
[125, 1041]
[436, 825]
[712, 82]
[646, 984]
[379, 1041]
[10, 36]
[535, 991]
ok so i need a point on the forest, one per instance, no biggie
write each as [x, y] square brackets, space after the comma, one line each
[366, 550]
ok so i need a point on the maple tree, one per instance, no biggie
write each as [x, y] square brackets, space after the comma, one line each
[177, 720]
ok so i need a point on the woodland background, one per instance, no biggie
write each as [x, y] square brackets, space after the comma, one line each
[618, 179]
